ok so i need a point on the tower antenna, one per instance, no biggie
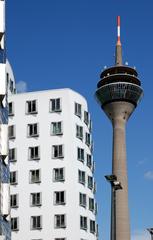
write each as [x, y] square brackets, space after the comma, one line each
[118, 55]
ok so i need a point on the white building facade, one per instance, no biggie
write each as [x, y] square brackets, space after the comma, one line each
[51, 167]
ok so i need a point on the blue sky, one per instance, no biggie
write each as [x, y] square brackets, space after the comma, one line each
[58, 44]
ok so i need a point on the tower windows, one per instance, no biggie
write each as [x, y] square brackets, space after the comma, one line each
[86, 117]
[57, 151]
[14, 200]
[35, 199]
[34, 153]
[36, 222]
[35, 176]
[89, 160]
[33, 130]
[60, 221]
[13, 178]
[11, 109]
[92, 226]
[90, 182]
[80, 154]
[79, 132]
[83, 222]
[11, 132]
[12, 155]
[59, 198]
[15, 224]
[88, 139]
[91, 204]
[78, 110]
[58, 175]
[55, 105]
[82, 199]
[56, 128]
[31, 107]
[81, 176]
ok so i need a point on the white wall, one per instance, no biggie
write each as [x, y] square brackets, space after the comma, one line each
[46, 164]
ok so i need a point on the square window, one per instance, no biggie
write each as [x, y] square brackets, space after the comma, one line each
[33, 130]
[57, 151]
[35, 199]
[12, 155]
[14, 224]
[36, 222]
[56, 128]
[81, 176]
[11, 132]
[13, 178]
[11, 109]
[34, 153]
[60, 221]
[55, 105]
[14, 201]
[58, 174]
[59, 198]
[35, 176]
[79, 132]
[78, 110]
[31, 107]
[83, 222]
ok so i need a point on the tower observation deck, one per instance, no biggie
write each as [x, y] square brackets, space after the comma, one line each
[118, 93]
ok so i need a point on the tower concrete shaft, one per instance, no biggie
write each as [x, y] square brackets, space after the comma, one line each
[118, 93]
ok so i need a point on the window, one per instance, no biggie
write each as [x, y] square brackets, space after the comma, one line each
[96, 208]
[36, 222]
[82, 199]
[31, 107]
[11, 132]
[91, 204]
[15, 224]
[86, 117]
[33, 130]
[83, 222]
[88, 139]
[55, 105]
[78, 111]
[92, 226]
[34, 153]
[81, 154]
[79, 132]
[60, 221]
[57, 151]
[12, 154]
[58, 174]
[56, 128]
[89, 161]
[13, 177]
[90, 182]
[81, 177]
[14, 200]
[11, 109]
[35, 176]
[59, 198]
[35, 199]
[60, 238]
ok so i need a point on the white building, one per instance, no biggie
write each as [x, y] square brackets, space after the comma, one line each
[51, 164]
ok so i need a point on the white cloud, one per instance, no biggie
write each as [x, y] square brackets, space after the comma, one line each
[149, 175]
[21, 86]
[141, 235]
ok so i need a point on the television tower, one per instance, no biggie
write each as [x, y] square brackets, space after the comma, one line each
[119, 92]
